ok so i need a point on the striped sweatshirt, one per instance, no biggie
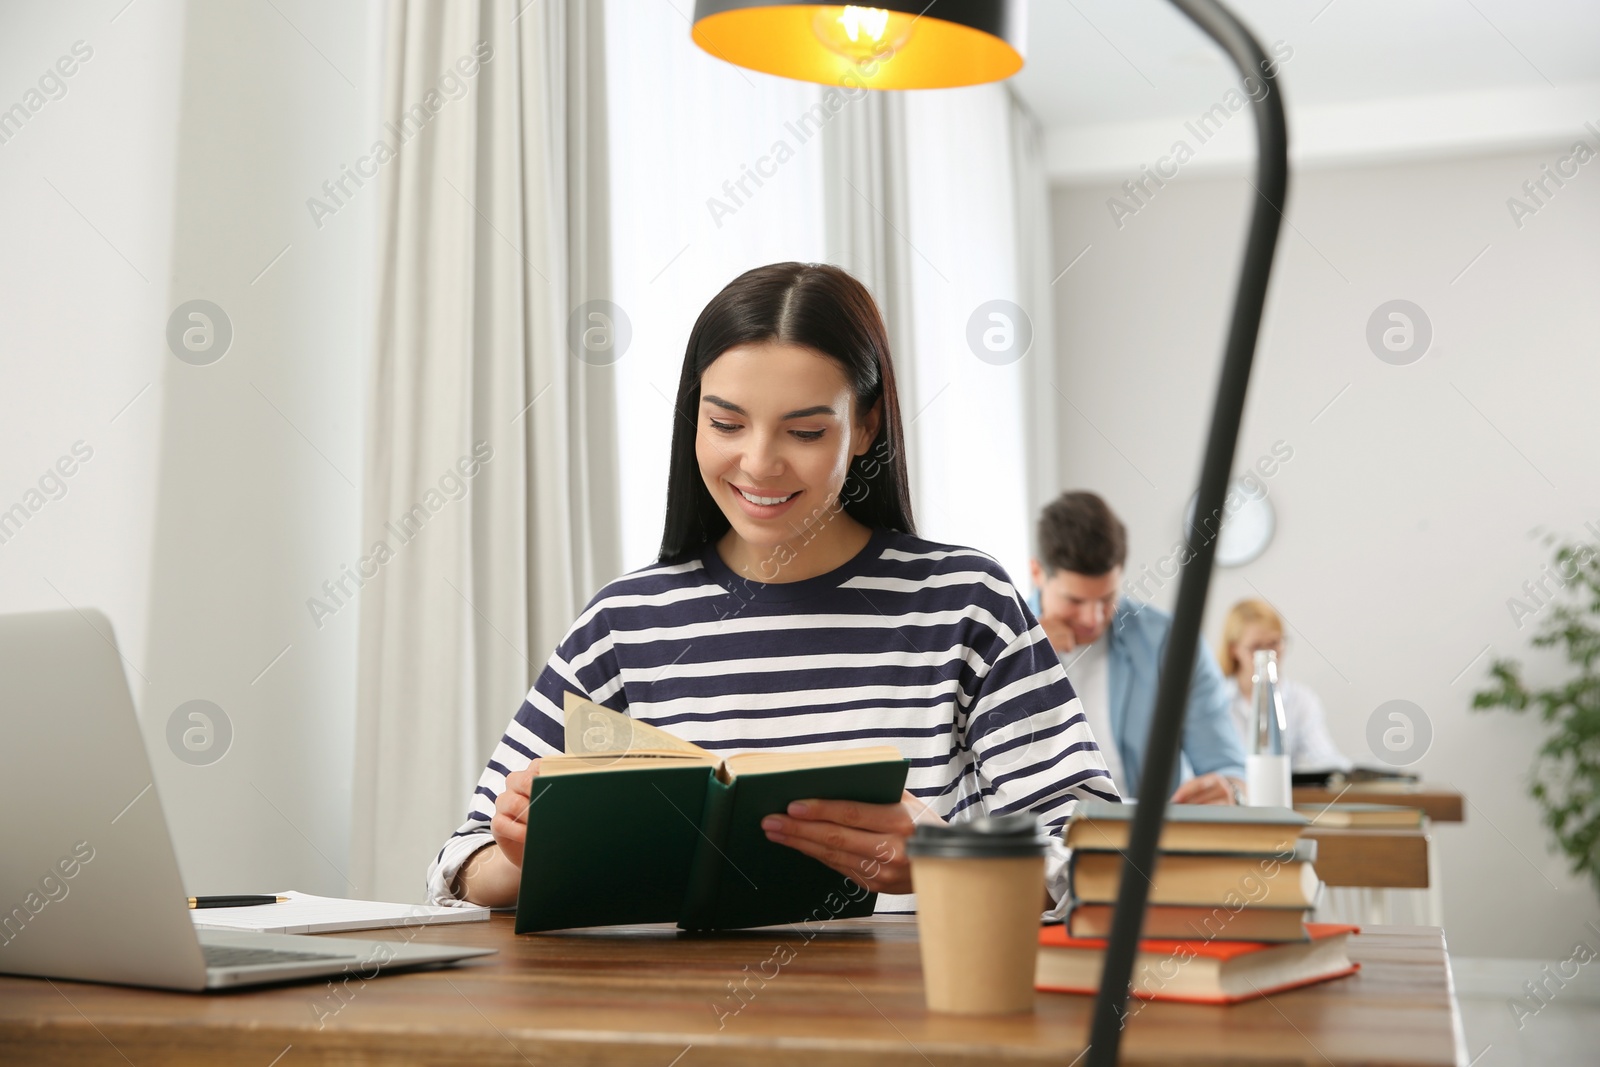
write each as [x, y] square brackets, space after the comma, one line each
[923, 646]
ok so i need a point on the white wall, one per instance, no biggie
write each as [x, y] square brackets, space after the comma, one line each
[83, 269]
[1405, 512]
[222, 497]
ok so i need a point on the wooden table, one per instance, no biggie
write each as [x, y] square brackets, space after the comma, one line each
[1372, 858]
[652, 996]
[1442, 803]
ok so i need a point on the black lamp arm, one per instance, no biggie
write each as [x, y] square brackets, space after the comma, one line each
[1166, 727]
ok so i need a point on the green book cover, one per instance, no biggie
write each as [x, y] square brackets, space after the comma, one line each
[605, 849]
[649, 838]
[742, 879]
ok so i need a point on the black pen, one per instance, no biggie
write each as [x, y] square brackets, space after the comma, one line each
[234, 902]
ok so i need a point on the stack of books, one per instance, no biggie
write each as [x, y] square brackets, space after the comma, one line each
[1224, 873]
[1228, 903]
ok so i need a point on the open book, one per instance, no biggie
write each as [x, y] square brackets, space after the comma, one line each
[634, 825]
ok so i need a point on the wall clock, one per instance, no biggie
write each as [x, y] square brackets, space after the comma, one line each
[1247, 529]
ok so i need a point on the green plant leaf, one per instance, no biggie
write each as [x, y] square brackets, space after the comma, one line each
[1565, 778]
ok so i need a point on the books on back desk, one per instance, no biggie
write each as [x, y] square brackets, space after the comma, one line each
[1362, 816]
[634, 825]
[1223, 873]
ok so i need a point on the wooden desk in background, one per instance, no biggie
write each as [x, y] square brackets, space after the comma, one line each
[1442, 803]
[646, 995]
[1375, 858]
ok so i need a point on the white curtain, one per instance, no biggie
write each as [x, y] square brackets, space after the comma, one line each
[939, 202]
[715, 170]
[490, 447]
[1041, 439]
[867, 201]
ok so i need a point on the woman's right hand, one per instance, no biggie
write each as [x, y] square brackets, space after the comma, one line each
[510, 823]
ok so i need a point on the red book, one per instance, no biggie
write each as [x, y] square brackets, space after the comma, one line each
[1198, 972]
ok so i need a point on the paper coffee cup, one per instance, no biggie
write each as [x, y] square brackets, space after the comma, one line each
[980, 890]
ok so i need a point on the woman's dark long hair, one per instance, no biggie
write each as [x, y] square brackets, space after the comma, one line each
[820, 307]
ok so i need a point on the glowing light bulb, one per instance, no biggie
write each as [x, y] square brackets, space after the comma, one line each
[858, 33]
[871, 20]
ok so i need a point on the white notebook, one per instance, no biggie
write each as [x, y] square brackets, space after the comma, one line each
[303, 913]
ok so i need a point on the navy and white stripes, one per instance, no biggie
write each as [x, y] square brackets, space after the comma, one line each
[922, 646]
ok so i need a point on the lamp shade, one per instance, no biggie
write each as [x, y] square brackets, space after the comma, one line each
[890, 46]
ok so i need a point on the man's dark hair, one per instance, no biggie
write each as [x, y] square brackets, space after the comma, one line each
[1078, 532]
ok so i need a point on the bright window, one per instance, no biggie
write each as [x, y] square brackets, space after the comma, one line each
[691, 138]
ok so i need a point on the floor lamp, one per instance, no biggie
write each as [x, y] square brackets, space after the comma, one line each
[918, 44]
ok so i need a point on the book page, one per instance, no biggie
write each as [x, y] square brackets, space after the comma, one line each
[775, 762]
[551, 766]
[593, 730]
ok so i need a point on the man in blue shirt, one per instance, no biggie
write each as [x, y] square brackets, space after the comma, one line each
[1112, 646]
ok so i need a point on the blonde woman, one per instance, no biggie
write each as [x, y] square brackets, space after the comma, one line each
[1253, 626]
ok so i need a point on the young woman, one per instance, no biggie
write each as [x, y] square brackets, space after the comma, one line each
[793, 607]
[1252, 626]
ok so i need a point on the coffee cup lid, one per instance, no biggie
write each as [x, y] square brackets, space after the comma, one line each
[988, 837]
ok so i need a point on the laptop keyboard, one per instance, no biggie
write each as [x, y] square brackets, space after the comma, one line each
[235, 956]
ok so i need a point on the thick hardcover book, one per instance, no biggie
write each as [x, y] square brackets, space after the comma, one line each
[1201, 972]
[1183, 922]
[1099, 824]
[633, 825]
[1233, 880]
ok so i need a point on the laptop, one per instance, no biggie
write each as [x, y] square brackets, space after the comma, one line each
[89, 882]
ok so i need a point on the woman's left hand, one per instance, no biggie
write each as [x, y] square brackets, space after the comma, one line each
[864, 842]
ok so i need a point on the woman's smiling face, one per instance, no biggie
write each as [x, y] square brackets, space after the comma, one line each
[776, 433]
